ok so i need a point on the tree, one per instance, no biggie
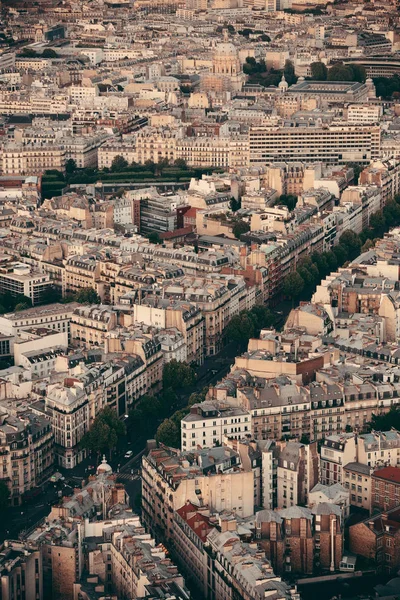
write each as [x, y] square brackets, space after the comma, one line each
[177, 375]
[319, 72]
[262, 317]
[359, 72]
[4, 494]
[287, 200]
[28, 53]
[119, 164]
[87, 296]
[265, 38]
[240, 329]
[104, 433]
[340, 72]
[293, 286]
[357, 168]
[377, 223]
[169, 434]
[154, 237]
[234, 204]
[289, 73]
[387, 421]
[150, 166]
[70, 166]
[22, 306]
[350, 240]
[49, 53]
[305, 439]
[239, 228]
[180, 163]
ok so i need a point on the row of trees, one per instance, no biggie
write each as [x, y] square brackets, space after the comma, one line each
[169, 431]
[338, 72]
[107, 428]
[120, 164]
[146, 415]
[248, 324]
[31, 53]
[312, 269]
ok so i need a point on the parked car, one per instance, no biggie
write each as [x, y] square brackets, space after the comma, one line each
[56, 477]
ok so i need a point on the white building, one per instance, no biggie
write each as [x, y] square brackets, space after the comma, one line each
[208, 423]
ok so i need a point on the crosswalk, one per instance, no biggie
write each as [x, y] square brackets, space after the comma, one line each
[128, 476]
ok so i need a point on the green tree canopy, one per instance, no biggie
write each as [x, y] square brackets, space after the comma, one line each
[239, 228]
[154, 237]
[28, 53]
[4, 494]
[104, 433]
[49, 53]
[234, 204]
[87, 296]
[340, 72]
[386, 421]
[351, 241]
[319, 72]
[287, 200]
[169, 434]
[180, 163]
[119, 164]
[240, 329]
[177, 375]
[70, 166]
[293, 285]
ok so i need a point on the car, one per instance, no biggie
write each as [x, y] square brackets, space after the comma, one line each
[56, 477]
[128, 454]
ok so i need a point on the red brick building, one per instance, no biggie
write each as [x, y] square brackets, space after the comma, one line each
[385, 489]
[299, 540]
[378, 539]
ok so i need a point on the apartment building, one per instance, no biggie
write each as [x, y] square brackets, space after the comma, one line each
[51, 316]
[32, 159]
[81, 272]
[156, 144]
[68, 409]
[206, 478]
[357, 479]
[385, 489]
[221, 563]
[111, 150]
[300, 540]
[18, 279]
[336, 452]
[331, 144]
[297, 473]
[377, 540]
[90, 325]
[21, 571]
[184, 316]
[219, 298]
[27, 449]
[208, 423]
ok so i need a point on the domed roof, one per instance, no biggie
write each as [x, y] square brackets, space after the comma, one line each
[226, 49]
[283, 85]
[104, 467]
